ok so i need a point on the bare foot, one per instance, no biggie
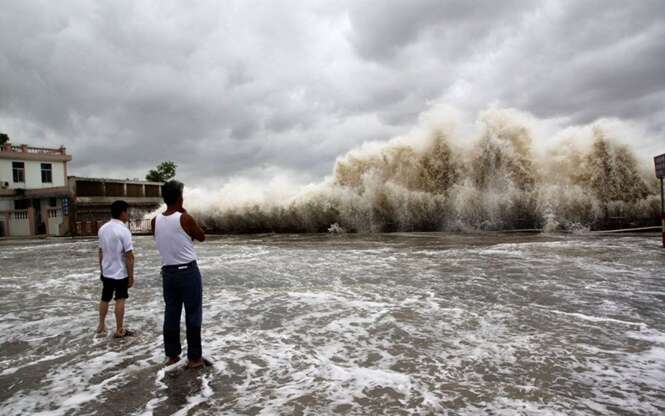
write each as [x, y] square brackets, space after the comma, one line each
[195, 363]
[173, 360]
[101, 329]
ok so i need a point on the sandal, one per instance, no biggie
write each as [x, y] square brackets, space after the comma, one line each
[203, 362]
[196, 363]
[126, 333]
[172, 360]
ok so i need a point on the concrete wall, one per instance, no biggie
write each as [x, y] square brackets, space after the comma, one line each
[33, 174]
[16, 223]
[54, 216]
[55, 221]
[19, 224]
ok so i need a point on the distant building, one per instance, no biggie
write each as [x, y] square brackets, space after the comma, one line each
[38, 198]
[33, 190]
[92, 198]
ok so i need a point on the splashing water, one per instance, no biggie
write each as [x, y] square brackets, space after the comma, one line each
[348, 324]
[501, 176]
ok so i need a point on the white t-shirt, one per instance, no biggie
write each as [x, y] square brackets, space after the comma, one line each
[115, 240]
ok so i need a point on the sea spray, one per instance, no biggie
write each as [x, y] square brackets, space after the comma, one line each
[437, 179]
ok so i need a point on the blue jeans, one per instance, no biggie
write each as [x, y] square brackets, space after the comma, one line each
[182, 285]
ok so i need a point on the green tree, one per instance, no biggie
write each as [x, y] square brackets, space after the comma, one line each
[163, 172]
[4, 138]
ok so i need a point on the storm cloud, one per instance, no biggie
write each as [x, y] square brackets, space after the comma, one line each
[249, 88]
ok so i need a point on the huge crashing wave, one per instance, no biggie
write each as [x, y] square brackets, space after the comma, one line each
[446, 175]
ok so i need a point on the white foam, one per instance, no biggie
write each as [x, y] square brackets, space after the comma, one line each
[590, 318]
[322, 327]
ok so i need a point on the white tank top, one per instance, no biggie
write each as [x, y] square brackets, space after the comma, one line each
[175, 246]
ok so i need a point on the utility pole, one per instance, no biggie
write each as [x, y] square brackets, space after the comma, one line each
[662, 208]
[659, 161]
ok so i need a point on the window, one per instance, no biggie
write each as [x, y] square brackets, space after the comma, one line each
[18, 171]
[21, 203]
[47, 173]
[52, 202]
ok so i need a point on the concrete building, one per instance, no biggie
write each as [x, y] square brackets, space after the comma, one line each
[33, 190]
[92, 198]
[38, 198]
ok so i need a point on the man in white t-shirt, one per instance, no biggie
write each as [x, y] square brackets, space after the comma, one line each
[116, 261]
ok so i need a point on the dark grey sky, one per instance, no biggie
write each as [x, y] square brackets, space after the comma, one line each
[258, 88]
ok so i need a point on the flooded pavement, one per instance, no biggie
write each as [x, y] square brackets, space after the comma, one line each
[499, 324]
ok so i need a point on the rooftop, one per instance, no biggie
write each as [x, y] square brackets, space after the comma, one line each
[116, 180]
[25, 152]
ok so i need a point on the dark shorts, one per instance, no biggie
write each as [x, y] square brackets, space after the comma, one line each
[119, 286]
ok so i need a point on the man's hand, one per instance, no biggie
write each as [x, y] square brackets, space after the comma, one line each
[131, 282]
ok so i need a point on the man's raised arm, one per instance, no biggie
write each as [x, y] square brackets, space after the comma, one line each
[191, 227]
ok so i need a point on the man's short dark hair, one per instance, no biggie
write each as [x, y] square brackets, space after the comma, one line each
[171, 191]
[118, 207]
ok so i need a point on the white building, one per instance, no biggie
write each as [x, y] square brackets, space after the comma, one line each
[33, 191]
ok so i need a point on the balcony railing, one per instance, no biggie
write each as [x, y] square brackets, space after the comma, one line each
[20, 214]
[140, 226]
[22, 148]
[101, 188]
[54, 212]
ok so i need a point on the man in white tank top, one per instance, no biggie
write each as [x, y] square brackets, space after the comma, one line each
[174, 231]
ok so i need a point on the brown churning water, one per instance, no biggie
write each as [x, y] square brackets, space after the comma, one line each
[501, 176]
